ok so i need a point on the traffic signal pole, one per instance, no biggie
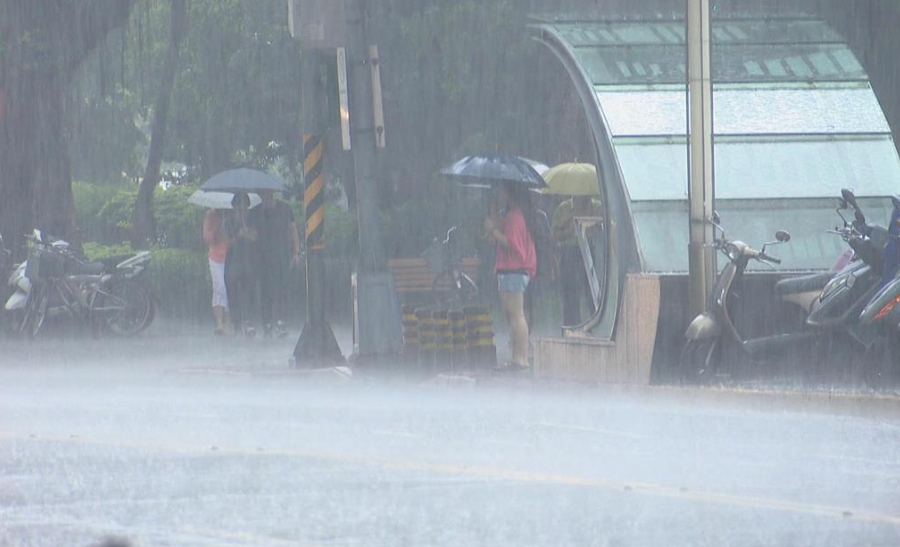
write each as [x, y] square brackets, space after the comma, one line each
[317, 345]
[341, 26]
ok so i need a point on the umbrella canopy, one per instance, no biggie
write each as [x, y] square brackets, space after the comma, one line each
[536, 165]
[484, 171]
[219, 200]
[242, 180]
[572, 179]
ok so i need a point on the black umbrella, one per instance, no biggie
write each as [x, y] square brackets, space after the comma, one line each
[483, 171]
[242, 180]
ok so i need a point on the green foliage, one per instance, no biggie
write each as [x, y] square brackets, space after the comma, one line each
[114, 216]
[341, 232]
[89, 200]
[103, 213]
[181, 281]
[178, 223]
[98, 251]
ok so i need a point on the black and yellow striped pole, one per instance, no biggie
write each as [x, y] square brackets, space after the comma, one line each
[313, 194]
[317, 345]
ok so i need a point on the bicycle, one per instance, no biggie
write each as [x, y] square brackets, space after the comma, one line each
[451, 286]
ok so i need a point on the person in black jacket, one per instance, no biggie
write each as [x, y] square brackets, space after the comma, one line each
[278, 244]
[241, 263]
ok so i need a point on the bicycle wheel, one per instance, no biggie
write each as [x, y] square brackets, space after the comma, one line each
[466, 289]
[37, 311]
[128, 307]
[453, 289]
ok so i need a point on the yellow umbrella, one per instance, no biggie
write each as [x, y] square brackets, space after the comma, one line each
[572, 179]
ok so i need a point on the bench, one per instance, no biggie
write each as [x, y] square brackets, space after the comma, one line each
[413, 277]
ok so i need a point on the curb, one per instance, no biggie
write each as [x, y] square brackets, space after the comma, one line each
[872, 406]
[885, 407]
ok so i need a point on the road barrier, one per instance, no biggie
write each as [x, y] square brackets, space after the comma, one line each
[481, 351]
[443, 331]
[410, 334]
[458, 328]
[427, 338]
[448, 340]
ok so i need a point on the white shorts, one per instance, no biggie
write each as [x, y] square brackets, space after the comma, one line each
[219, 293]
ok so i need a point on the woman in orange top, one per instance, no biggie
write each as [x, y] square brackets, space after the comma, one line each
[215, 238]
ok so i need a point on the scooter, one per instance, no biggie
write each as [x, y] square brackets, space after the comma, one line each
[113, 294]
[882, 312]
[843, 299]
[705, 331]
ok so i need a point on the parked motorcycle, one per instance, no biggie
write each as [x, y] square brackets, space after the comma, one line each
[843, 299]
[882, 312]
[833, 313]
[112, 295]
[697, 363]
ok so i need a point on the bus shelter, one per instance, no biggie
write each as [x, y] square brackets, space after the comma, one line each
[795, 120]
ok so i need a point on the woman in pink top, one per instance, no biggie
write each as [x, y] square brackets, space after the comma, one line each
[515, 265]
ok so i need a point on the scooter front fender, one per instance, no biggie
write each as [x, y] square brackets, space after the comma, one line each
[704, 327]
[17, 301]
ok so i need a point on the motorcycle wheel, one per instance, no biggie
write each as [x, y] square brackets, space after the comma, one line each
[696, 361]
[879, 362]
[139, 310]
[36, 312]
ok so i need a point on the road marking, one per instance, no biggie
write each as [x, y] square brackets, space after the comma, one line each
[632, 488]
[245, 538]
[394, 433]
[857, 459]
[587, 429]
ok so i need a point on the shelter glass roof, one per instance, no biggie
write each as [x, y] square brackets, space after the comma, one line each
[750, 110]
[765, 169]
[795, 120]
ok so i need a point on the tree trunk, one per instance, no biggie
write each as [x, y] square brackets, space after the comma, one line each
[142, 223]
[42, 42]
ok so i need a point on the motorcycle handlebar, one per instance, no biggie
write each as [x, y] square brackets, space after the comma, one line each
[767, 258]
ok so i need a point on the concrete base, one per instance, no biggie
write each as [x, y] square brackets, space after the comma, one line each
[626, 359]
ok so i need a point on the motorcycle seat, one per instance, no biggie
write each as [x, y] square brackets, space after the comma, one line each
[111, 262]
[803, 283]
[88, 268]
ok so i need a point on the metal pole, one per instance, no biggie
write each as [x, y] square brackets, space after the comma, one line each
[377, 321]
[317, 345]
[702, 258]
[371, 259]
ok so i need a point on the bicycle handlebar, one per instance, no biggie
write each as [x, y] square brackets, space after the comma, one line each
[449, 233]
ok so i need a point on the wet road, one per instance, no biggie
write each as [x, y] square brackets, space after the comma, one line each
[168, 440]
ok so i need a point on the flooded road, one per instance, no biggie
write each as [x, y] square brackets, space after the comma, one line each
[179, 439]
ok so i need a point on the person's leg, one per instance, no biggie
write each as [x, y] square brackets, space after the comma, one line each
[246, 290]
[219, 294]
[514, 307]
[233, 289]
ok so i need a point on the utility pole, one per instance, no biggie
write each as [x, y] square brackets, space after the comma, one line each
[701, 195]
[376, 308]
[317, 345]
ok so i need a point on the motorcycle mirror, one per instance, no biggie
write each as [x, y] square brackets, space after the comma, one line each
[848, 196]
[715, 218]
[783, 236]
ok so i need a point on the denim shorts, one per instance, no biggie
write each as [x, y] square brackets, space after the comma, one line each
[512, 282]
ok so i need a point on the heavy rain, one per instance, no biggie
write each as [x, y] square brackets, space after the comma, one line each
[419, 272]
